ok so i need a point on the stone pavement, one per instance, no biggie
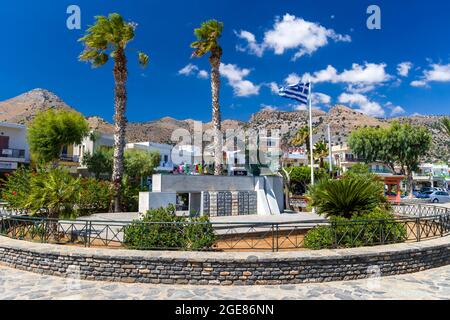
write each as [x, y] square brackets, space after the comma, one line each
[430, 284]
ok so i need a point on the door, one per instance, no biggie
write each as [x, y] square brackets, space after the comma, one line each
[4, 142]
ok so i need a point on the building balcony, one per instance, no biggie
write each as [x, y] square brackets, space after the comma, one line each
[379, 170]
[69, 158]
[12, 153]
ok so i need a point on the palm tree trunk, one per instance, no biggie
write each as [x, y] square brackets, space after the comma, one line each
[216, 118]
[120, 122]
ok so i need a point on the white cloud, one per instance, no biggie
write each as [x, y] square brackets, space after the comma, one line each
[300, 107]
[437, 73]
[274, 87]
[291, 33]
[403, 68]
[191, 69]
[202, 74]
[265, 107]
[252, 46]
[292, 78]
[358, 75]
[320, 99]
[418, 83]
[395, 110]
[364, 105]
[235, 77]
[188, 70]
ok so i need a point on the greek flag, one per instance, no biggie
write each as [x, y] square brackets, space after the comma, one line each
[298, 92]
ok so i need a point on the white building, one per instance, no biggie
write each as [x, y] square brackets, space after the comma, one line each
[90, 144]
[165, 151]
[432, 175]
[14, 148]
[344, 158]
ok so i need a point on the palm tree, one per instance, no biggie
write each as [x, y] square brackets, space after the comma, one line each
[320, 151]
[445, 125]
[109, 37]
[207, 41]
[301, 138]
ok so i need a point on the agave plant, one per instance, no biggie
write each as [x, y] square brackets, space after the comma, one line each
[352, 195]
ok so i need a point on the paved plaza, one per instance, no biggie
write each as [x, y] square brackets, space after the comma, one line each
[430, 284]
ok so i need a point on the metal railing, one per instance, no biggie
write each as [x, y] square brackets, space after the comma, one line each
[416, 223]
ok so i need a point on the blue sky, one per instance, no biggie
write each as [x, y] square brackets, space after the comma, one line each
[265, 43]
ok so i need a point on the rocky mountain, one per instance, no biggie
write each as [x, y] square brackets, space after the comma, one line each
[342, 120]
[23, 108]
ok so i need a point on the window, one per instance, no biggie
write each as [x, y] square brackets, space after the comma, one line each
[166, 158]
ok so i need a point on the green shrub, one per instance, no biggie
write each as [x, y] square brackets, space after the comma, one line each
[162, 228]
[372, 229]
[53, 193]
[16, 188]
[319, 238]
[95, 196]
[200, 234]
[352, 195]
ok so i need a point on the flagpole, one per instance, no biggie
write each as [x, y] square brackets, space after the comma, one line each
[311, 134]
[329, 150]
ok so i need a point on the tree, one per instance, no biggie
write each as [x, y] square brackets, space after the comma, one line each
[140, 163]
[300, 177]
[99, 162]
[398, 146]
[51, 130]
[320, 151]
[137, 163]
[111, 35]
[445, 125]
[207, 41]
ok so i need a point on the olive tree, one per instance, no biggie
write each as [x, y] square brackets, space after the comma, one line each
[400, 146]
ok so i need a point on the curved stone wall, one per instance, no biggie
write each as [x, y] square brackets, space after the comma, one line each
[219, 268]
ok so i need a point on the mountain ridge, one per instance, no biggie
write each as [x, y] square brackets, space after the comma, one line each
[342, 120]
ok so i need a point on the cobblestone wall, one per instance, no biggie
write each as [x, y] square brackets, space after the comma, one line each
[217, 268]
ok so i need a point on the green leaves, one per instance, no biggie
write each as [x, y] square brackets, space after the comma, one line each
[445, 126]
[51, 130]
[108, 35]
[54, 191]
[143, 59]
[398, 144]
[351, 195]
[207, 39]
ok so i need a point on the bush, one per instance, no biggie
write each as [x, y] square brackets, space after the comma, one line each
[200, 235]
[374, 228]
[352, 195]
[95, 196]
[162, 229]
[16, 189]
[319, 238]
[53, 193]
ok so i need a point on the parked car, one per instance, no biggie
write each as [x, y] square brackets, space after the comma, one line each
[425, 194]
[426, 189]
[439, 196]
